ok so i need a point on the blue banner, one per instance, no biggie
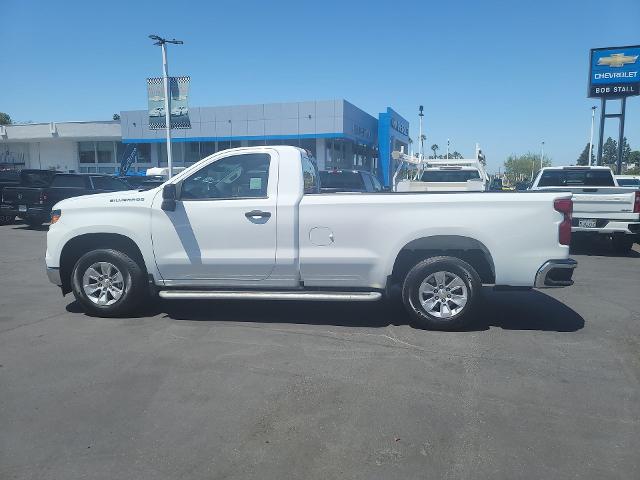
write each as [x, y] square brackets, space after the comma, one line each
[129, 157]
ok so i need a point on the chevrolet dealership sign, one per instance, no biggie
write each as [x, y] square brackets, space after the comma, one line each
[614, 72]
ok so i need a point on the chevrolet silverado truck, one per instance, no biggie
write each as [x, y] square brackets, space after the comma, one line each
[251, 224]
[33, 202]
[23, 178]
[600, 206]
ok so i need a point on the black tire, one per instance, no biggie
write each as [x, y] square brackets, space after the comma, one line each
[435, 319]
[7, 219]
[135, 288]
[622, 244]
[34, 222]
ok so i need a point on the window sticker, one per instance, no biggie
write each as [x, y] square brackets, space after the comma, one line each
[255, 183]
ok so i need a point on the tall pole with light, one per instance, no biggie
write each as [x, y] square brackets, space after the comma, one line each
[167, 97]
[447, 149]
[593, 117]
[421, 146]
[542, 155]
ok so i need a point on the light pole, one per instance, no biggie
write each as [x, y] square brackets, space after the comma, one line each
[447, 149]
[593, 116]
[542, 155]
[167, 98]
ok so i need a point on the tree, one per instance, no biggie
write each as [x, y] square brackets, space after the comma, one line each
[609, 152]
[435, 148]
[583, 159]
[116, 116]
[634, 158]
[626, 150]
[520, 167]
[5, 119]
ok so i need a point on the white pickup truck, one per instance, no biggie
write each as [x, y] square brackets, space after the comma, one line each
[600, 206]
[250, 223]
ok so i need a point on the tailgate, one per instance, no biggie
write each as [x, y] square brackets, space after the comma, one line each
[603, 203]
[21, 195]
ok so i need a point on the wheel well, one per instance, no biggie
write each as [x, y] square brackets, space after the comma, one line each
[471, 251]
[78, 246]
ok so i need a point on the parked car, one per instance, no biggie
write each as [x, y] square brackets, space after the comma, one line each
[33, 203]
[143, 182]
[24, 178]
[628, 181]
[249, 223]
[348, 181]
[601, 207]
[8, 178]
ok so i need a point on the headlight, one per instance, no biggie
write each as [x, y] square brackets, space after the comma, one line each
[55, 216]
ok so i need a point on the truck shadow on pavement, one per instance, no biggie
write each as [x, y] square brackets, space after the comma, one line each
[526, 310]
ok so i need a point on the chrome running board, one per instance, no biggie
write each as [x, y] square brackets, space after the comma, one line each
[271, 295]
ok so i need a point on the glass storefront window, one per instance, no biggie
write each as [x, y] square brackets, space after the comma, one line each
[87, 152]
[309, 144]
[223, 146]
[207, 148]
[105, 152]
[192, 153]
[144, 152]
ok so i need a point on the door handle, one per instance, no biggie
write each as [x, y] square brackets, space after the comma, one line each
[257, 214]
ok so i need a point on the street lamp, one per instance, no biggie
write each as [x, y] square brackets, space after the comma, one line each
[167, 99]
[593, 116]
[542, 155]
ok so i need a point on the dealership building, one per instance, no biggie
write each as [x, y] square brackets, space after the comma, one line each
[339, 134]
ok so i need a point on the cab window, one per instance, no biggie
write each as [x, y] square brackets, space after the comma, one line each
[310, 176]
[237, 176]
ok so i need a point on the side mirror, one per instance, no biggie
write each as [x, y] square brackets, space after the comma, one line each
[169, 197]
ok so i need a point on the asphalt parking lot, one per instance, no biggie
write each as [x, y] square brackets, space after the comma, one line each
[545, 385]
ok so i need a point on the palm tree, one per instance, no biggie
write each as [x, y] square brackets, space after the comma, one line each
[435, 148]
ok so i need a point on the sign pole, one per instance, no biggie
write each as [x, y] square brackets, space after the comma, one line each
[603, 109]
[167, 106]
[621, 135]
[593, 116]
[167, 98]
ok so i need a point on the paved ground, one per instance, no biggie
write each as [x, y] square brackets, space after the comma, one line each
[545, 385]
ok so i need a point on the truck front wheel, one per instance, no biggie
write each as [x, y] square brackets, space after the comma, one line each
[441, 293]
[108, 283]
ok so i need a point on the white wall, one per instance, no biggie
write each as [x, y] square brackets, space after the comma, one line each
[54, 154]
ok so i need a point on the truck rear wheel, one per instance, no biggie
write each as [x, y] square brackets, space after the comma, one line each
[34, 222]
[441, 293]
[622, 244]
[108, 283]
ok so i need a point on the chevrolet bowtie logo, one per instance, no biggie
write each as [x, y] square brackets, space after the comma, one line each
[617, 60]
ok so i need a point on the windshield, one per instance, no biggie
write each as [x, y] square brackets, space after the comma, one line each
[36, 178]
[629, 182]
[450, 175]
[341, 180]
[570, 178]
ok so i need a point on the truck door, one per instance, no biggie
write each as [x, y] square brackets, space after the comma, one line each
[223, 230]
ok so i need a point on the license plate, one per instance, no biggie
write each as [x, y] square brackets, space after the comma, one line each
[587, 223]
[22, 208]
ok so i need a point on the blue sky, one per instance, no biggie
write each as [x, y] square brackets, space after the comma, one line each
[505, 74]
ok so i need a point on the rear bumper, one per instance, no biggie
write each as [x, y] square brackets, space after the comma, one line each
[54, 276]
[556, 273]
[604, 226]
[13, 210]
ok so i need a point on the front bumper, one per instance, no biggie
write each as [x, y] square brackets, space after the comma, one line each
[54, 276]
[556, 273]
